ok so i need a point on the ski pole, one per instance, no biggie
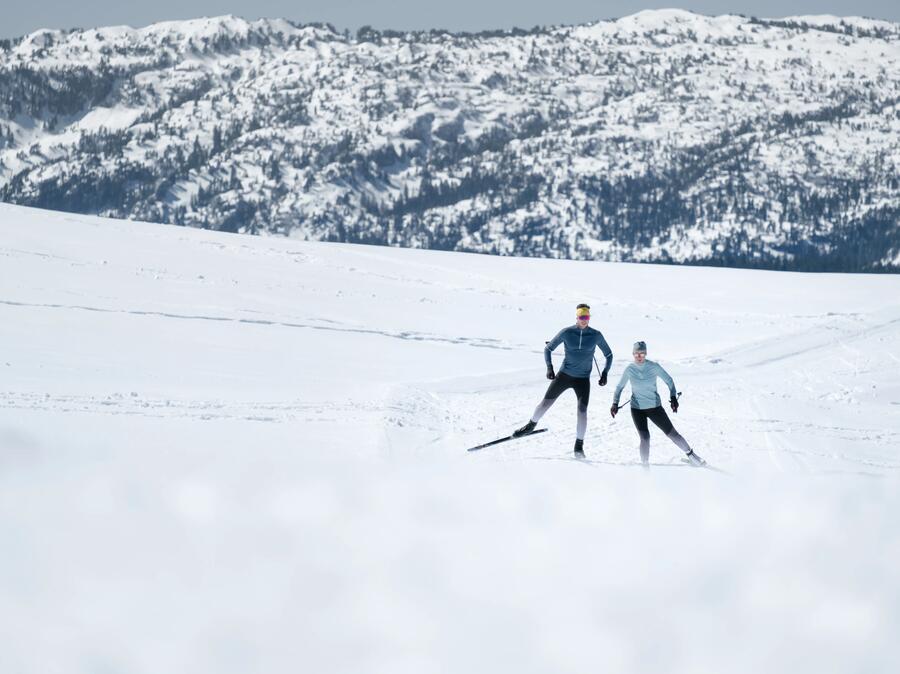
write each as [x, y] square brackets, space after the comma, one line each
[629, 402]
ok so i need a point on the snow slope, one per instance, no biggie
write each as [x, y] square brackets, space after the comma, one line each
[229, 454]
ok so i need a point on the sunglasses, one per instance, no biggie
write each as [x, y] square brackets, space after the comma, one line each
[583, 318]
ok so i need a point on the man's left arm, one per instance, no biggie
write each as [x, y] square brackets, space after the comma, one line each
[604, 347]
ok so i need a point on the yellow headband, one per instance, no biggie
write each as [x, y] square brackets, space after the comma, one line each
[583, 311]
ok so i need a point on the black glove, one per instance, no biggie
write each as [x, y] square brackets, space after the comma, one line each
[602, 381]
[613, 410]
[550, 373]
[673, 401]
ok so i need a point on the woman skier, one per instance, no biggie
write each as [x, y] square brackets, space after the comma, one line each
[645, 403]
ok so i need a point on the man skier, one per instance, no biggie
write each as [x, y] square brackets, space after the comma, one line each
[575, 373]
[645, 403]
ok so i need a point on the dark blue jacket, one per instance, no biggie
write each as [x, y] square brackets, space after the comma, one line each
[579, 345]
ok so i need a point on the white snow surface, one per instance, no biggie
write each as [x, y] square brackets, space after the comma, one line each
[246, 454]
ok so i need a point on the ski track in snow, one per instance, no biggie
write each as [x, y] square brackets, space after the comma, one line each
[203, 410]
[416, 336]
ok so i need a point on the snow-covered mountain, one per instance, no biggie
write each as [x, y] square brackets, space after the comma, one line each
[224, 454]
[665, 135]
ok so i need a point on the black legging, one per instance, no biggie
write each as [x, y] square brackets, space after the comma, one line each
[582, 388]
[659, 417]
[563, 382]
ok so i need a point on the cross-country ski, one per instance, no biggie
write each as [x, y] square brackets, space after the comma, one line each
[506, 439]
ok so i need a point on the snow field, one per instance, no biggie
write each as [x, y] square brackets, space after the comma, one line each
[229, 454]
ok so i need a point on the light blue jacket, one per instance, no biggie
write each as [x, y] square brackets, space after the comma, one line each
[643, 384]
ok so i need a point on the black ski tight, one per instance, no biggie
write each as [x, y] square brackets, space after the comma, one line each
[563, 382]
[659, 417]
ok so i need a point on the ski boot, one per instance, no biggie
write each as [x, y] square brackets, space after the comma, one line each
[525, 430]
[579, 449]
[694, 458]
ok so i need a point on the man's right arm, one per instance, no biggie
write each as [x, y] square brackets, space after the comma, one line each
[552, 344]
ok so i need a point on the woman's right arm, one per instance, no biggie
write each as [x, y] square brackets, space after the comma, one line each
[621, 385]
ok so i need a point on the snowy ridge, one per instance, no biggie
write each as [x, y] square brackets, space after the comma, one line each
[663, 136]
[226, 453]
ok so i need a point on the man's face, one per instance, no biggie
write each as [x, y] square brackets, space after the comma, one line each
[582, 321]
[640, 357]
